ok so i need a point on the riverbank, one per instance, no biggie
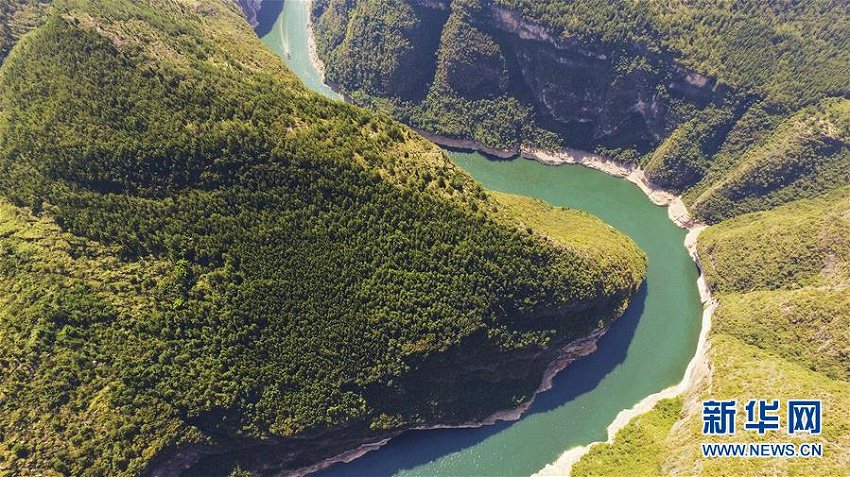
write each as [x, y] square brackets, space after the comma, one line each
[565, 356]
[697, 369]
[467, 145]
[312, 49]
[677, 212]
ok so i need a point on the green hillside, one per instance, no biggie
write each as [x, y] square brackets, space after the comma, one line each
[790, 52]
[742, 107]
[804, 156]
[198, 256]
[785, 289]
[782, 330]
[620, 77]
[805, 243]
[675, 429]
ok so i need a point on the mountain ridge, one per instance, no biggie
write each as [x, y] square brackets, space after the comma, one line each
[204, 256]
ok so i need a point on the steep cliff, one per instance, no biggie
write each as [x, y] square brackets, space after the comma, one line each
[588, 93]
[655, 83]
[251, 8]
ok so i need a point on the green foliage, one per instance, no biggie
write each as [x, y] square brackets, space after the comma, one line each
[222, 253]
[631, 76]
[67, 311]
[784, 276]
[469, 62]
[781, 330]
[806, 155]
[792, 324]
[683, 158]
[466, 78]
[384, 48]
[578, 228]
[16, 18]
[738, 371]
[791, 52]
[804, 243]
[469, 97]
[752, 129]
[464, 90]
[626, 156]
[638, 449]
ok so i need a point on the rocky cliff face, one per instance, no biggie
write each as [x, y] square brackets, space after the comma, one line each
[589, 94]
[588, 88]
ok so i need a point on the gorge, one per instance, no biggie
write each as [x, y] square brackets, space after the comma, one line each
[630, 362]
[420, 237]
[748, 118]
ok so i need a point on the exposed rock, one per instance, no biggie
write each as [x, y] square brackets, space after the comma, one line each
[311, 453]
[576, 84]
[581, 91]
[573, 87]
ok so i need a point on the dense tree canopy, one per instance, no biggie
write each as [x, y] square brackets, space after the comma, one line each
[194, 247]
[687, 90]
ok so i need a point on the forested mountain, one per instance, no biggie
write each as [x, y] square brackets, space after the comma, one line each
[805, 155]
[687, 89]
[782, 329]
[199, 257]
[743, 107]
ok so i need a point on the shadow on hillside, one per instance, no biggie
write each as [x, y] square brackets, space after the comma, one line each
[415, 448]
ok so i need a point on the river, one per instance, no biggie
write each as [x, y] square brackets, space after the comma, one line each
[645, 351]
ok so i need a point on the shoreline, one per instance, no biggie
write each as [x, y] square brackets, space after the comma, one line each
[466, 145]
[312, 49]
[566, 355]
[697, 368]
[677, 212]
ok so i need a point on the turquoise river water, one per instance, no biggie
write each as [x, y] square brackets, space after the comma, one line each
[645, 351]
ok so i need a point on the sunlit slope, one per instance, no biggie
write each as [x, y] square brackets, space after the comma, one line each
[199, 255]
[781, 332]
[804, 156]
[673, 431]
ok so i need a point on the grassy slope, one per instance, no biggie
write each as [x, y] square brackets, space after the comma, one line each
[804, 156]
[801, 244]
[673, 448]
[781, 331]
[596, 239]
[217, 251]
[638, 449]
[64, 301]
